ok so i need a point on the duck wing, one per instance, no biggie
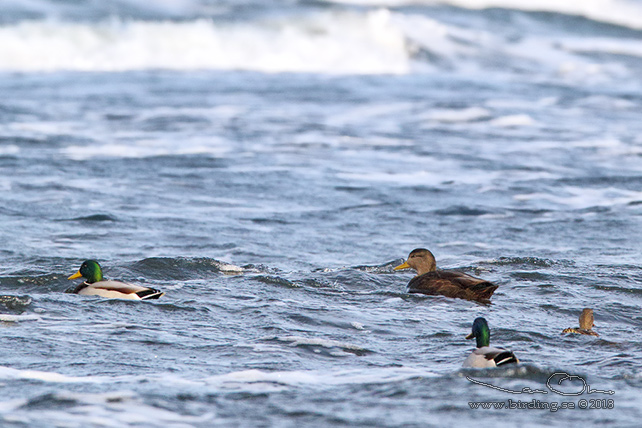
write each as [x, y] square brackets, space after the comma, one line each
[504, 357]
[452, 284]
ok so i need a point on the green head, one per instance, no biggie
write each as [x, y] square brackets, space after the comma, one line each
[90, 270]
[481, 332]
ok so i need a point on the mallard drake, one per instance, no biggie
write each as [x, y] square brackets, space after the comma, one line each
[95, 285]
[429, 280]
[586, 324]
[486, 355]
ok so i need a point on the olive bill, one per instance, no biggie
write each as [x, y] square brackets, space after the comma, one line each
[404, 265]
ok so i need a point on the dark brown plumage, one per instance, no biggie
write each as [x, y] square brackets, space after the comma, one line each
[429, 280]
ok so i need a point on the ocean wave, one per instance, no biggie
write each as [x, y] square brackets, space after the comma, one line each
[326, 42]
[337, 348]
[334, 42]
[114, 408]
[626, 13]
[29, 282]
[526, 261]
[437, 44]
[582, 198]
[14, 303]
[184, 267]
[211, 146]
[47, 377]
[249, 377]
[158, 9]
[618, 12]
[319, 378]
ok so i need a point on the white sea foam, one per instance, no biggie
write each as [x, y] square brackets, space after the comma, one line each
[315, 341]
[513, 121]
[328, 42]
[581, 197]
[250, 378]
[112, 409]
[439, 175]
[230, 268]
[149, 148]
[11, 373]
[357, 325]
[246, 380]
[9, 149]
[619, 46]
[18, 318]
[465, 244]
[467, 50]
[606, 150]
[373, 42]
[620, 12]
[169, 8]
[458, 115]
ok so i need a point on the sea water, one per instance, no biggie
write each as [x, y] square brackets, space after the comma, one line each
[267, 164]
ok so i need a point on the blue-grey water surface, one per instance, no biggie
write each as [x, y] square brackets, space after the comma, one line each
[269, 189]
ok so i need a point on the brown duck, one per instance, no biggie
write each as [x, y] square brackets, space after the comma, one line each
[429, 280]
[586, 324]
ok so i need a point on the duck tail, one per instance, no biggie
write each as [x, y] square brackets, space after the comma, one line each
[150, 294]
[485, 290]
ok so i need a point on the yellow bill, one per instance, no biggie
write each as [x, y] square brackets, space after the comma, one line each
[470, 336]
[76, 275]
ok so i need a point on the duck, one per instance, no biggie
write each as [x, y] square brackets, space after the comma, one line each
[430, 280]
[95, 285]
[586, 324]
[485, 355]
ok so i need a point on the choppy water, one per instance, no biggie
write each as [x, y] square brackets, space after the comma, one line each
[266, 165]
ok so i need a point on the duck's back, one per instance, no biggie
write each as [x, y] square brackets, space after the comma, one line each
[488, 356]
[119, 290]
[452, 284]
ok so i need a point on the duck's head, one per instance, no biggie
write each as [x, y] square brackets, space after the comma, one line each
[90, 270]
[420, 260]
[481, 332]
[586, 319]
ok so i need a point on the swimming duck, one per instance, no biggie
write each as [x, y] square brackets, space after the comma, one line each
[586, 324]
[429, 280]
[95, 285]
[486, 355]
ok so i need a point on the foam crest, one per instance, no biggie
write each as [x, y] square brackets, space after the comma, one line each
[18, 318]
[111, 409]
[43, 376]
[148, 148]
[619, 12]
[581, 198]
[318, 378]
[468, 50]
[328, 42]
